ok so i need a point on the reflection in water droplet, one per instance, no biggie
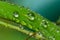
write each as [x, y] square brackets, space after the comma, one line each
[16, 14]
[31, 16]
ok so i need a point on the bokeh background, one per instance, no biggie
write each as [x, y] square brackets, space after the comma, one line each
[50, 9]
[10, 34]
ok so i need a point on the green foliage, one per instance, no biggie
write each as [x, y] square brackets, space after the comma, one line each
[26, 21]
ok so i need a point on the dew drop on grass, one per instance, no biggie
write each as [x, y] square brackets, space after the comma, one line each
[44, 23]
[31, 16]
[16, 14]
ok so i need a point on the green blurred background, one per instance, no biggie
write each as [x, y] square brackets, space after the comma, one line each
[47, 8]
[10, 34]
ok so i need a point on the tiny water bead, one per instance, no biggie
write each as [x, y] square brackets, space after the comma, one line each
[31, 15]
[44, 23]
[16, 15]
[32, 18]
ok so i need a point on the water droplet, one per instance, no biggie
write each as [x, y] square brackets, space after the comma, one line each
[31, 16]
[16, 14]
[44, 23]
